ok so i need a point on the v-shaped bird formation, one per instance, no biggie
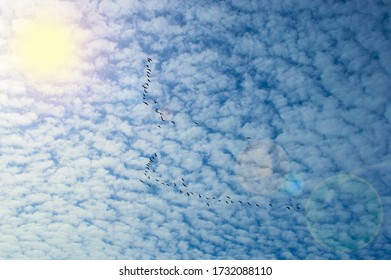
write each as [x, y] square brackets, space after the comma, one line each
[151, 178]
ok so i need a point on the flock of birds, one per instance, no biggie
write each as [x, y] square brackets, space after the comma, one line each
[151, 102]
[151, 179]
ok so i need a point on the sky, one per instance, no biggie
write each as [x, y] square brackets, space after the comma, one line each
[196, 130]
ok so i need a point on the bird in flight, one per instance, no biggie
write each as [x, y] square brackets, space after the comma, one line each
[179, 187]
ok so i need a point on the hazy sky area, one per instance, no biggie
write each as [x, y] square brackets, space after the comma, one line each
[195, 129]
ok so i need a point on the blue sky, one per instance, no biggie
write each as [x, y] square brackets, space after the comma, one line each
[274, 144]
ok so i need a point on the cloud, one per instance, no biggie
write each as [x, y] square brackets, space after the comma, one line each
[310, 78]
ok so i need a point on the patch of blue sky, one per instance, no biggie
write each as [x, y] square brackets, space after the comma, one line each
[309, 78]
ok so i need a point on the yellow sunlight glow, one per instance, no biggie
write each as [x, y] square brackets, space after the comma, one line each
[43, 48]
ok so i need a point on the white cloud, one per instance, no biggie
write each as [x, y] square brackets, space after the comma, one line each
[308, 77]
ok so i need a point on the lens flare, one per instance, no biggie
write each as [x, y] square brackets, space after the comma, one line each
[292, 185]
[42, 48]
[344, 213]
[261, 167]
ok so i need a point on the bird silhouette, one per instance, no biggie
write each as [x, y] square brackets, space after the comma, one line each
[180, 187]
[201, 196]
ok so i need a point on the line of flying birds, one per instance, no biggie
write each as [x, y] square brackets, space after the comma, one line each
[151, 180]
[148, 101]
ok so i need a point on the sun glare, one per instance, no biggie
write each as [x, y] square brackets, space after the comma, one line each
[43, 48]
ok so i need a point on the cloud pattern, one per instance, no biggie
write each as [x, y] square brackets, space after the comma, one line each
[264, 118]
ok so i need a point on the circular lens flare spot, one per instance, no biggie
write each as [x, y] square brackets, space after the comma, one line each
[344, 213]
[261, 167]
[292, 185]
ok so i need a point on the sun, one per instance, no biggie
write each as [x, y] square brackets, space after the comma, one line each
[43, 47]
